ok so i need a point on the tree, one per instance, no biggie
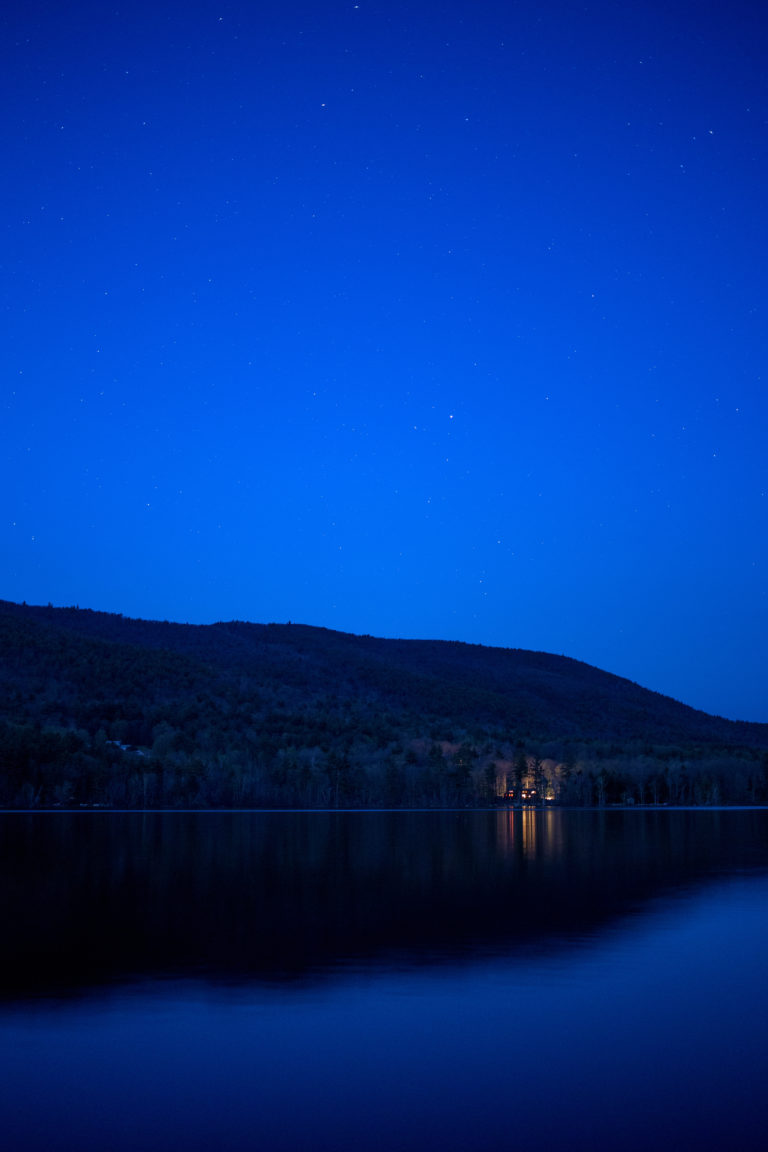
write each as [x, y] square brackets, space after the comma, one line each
[519, 774]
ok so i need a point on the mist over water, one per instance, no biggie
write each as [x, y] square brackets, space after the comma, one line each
[382, 979]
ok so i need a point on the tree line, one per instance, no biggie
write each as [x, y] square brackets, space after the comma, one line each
[45, 767]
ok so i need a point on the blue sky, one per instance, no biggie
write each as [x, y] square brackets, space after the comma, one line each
[424, 320]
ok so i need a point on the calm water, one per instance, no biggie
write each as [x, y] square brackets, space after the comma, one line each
[275, 981]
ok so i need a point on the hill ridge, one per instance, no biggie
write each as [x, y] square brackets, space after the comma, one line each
[258, 697]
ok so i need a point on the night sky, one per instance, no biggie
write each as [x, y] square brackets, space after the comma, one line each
[415, 319]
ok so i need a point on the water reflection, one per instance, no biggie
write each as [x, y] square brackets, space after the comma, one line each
[103, 898]
[521, 830]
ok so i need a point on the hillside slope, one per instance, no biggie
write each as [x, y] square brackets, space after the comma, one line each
[145, 711]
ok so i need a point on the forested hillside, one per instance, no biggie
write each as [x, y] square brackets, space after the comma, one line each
[99, 709]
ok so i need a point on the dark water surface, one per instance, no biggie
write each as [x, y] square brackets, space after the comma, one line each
[369, 980]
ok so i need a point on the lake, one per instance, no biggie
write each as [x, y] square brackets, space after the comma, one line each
[384, 980]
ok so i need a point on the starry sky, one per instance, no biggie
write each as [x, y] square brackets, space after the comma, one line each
[426, 319]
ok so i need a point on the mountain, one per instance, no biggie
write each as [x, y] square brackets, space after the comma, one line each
[99, 708]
